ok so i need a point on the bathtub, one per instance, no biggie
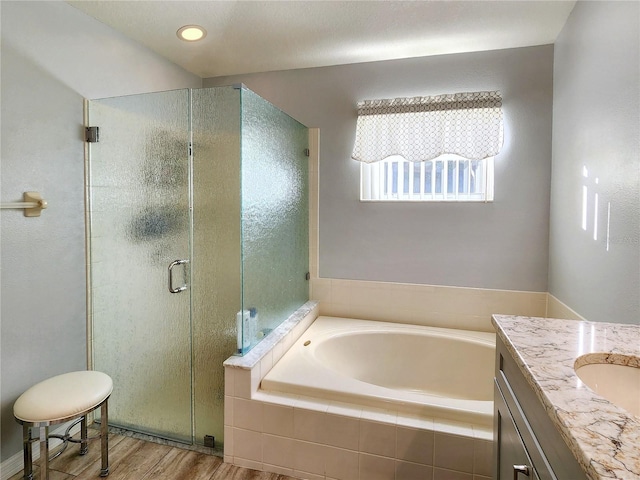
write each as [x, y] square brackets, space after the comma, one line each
[434, 372]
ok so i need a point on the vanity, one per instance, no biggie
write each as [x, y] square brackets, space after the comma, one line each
[548, 423]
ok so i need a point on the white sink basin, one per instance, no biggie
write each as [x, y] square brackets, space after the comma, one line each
[620, 384]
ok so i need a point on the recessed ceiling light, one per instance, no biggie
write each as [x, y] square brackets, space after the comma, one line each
[191, 33]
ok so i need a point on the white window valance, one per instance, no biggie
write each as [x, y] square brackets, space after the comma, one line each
[423, 128]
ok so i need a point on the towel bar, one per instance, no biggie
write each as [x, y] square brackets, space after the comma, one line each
[33, 204]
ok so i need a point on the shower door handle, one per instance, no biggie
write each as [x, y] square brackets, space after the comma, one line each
[183, 287]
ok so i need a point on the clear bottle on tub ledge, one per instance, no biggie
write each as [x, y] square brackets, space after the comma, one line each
[253, 325]
[243, 328]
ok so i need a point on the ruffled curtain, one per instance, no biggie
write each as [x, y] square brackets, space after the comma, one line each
[423, 128]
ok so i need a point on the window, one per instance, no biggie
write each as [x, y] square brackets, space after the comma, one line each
[448, 178]
[429, 148]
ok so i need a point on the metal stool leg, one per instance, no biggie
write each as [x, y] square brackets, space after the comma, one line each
[28, 455]
[104, 438]
[44, 453]
[84, 446]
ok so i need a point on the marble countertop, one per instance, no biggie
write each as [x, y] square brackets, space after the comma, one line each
[604, 438]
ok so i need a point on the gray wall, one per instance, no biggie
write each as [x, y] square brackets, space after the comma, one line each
[502, 245]
[596, 123]
[46, 71]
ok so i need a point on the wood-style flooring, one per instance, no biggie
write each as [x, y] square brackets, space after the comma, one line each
[133, 459]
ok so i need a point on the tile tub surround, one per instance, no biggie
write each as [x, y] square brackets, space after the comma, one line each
[432, 305]
[604, 438]
[308, 438]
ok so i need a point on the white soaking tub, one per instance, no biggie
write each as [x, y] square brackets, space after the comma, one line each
[434, 372]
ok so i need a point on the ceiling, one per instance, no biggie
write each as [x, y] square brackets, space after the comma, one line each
[259, 36]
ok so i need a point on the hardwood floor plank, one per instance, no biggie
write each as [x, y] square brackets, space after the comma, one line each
[181, 464]
[53, 475]
[117, 453]
[70, 463]
[130, 459]
[135, 465]
[133, 459]
[73, 463]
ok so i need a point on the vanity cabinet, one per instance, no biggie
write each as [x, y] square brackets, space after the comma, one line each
[527, 444]
[513, 460]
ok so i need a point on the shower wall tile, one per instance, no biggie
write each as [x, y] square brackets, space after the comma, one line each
[308, 425]
[313, 258]
[247, 414]
[277, 352]
[413, 471]
[278, 420]
[229, 401]
[321, 290]
[266, 364]
[247, 445]
[256, 378]
[378, 438]
[335, 310]
[242, 383]
[340, 431]
[415, 445]
[229, 381]
[373, 467]
[342, 464]
[482, 457]
[453, 452]
[228, 444]
[442, 474]
[278, 451]
[309, 457]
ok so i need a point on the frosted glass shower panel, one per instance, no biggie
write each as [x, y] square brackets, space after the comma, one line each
[275, 216]
[216, 290]
[139, 223]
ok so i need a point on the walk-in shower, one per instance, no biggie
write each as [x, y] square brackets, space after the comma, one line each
[197, 223]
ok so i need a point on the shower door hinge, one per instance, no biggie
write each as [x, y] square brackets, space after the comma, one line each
[306, 152]
[92, 134]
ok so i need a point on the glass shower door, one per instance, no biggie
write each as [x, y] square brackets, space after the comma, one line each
[140, 237]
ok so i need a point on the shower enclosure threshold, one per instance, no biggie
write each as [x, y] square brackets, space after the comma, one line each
[217, 450]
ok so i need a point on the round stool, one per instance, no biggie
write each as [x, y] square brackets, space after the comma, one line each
[58, 400]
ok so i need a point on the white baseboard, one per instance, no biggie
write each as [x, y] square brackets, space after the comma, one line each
[14, 464]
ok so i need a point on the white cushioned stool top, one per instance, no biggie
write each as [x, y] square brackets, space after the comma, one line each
[63, 396]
